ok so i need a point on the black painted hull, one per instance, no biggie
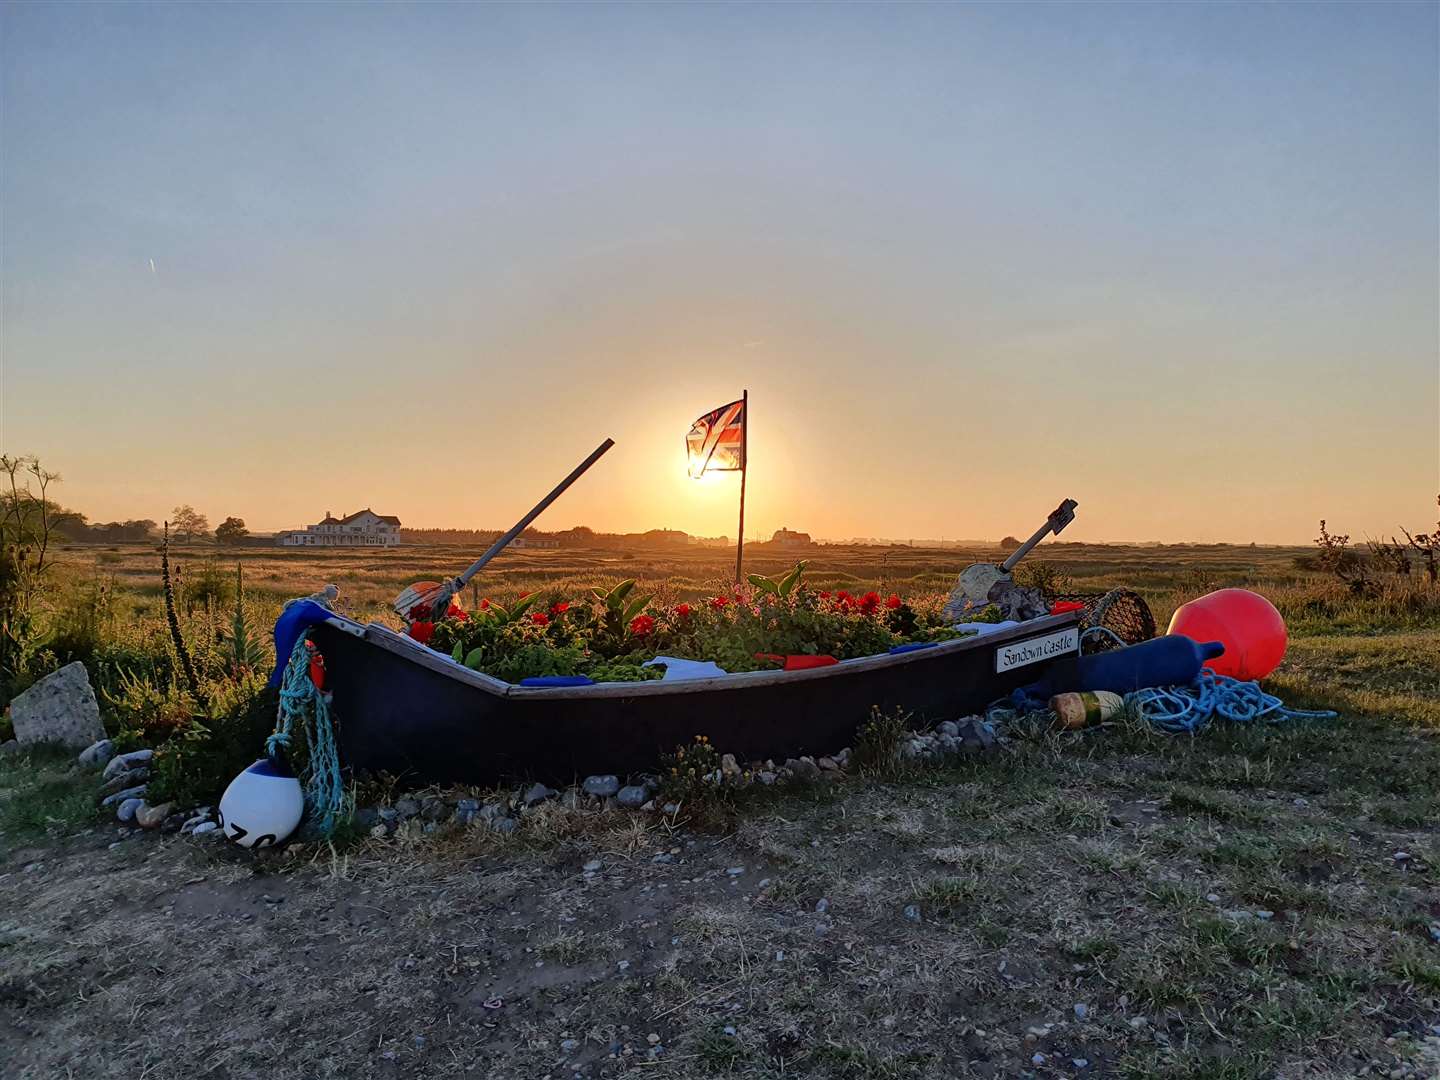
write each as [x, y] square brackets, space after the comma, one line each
[407, 711]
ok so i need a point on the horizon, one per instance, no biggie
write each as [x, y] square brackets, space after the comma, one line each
[1178, 263]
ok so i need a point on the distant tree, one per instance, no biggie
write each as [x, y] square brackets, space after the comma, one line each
[232, 530]
[1009, 544]
[187, 522]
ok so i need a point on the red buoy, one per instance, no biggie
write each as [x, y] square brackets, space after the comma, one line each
[1252, 630]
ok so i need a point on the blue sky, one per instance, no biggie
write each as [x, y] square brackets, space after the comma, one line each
[1178, 261]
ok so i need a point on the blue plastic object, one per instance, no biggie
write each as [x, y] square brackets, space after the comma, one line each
[294, 622]
[558, 680]
[912, 646]
[1172, 660]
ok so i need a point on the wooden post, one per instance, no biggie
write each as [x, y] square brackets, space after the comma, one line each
[744, 468]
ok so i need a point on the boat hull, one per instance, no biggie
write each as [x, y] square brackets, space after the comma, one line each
[405, 710]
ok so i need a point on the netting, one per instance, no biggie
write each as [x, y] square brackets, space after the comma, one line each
[1123, 612]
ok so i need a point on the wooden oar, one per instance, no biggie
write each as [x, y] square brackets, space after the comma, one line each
[438, 596]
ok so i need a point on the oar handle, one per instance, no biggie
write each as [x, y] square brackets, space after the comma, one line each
[479, 564]
[1061, 516]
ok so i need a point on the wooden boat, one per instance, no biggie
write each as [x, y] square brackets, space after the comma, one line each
[405, 709]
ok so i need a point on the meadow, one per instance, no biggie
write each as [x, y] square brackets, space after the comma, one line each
[1249, 902]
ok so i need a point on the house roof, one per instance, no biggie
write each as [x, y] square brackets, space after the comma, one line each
[389, 518]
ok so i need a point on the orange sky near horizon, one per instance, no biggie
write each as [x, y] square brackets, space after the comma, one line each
[1180, 263]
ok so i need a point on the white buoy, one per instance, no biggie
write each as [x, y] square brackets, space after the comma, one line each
[262, 805]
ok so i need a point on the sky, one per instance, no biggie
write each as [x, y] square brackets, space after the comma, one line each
[1178, 262]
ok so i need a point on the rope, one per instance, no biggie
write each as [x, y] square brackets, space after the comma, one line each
[301, 700]
[1189, 709]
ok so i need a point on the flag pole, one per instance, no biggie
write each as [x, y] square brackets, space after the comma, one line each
[744, 468]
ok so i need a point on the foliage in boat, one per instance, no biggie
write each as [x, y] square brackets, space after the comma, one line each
[610, 633]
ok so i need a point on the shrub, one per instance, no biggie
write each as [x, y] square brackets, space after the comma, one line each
[203, 756]
[877, 752]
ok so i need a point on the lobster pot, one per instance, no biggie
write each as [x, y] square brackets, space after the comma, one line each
[1123, 612]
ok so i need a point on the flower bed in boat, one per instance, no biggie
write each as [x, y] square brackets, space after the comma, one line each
[608, 634]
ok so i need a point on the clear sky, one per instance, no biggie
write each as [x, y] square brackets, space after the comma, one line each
[1178, 262]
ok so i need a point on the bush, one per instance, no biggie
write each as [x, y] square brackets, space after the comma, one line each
[198, 763]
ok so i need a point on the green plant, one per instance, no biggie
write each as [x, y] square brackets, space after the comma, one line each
[612, 633]
[244, 647]
[172, 620]
[206, 754]
[692, 777]
[877, 751]
[781, 585]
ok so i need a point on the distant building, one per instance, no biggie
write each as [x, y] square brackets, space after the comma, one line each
[786, 538]
[534, 543]
[364, 528]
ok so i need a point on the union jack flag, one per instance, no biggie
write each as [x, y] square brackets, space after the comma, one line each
[716, 442]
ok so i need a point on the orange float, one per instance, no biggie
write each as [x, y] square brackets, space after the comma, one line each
[1252, 631]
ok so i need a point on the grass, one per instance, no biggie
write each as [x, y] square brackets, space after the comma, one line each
[41, 794]
[1114, 868]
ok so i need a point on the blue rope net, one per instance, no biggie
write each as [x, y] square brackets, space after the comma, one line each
[305, 709]
[1189, 709]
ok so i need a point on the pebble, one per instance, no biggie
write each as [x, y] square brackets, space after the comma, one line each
[729, 1031]
[504, 825]
[602, 786]
[569, 1046]
[1080, 1063]
[407, 808]
[594, 866]
[10, 747]
[1082, 1011]
[912, 912]
[1214, 898]
[729, 766]
[97, 754]
[121, 796]
[365, 817]
[653, 1039]
[150, 817]
[1401, 856]
[122, 762]
[663, 857]
[203, 828]
[948, 727]
[804, 767]
[623, 966]
[435, 809]
[735, 871]
[124, 780]
[537, 793]
[633, 796]
[1037, 1060]
[822, 905]
[1138, 1022]
[127, 809]
[766, 777]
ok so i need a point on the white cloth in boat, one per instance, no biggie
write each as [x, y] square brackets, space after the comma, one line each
[677, 669]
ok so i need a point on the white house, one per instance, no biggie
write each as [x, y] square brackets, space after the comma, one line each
[364, 528]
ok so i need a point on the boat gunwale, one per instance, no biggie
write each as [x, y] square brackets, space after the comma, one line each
[383, 637]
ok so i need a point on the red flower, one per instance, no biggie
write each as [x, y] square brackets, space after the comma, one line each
[870, 602]
[718, 602]
[842, 596]
[824, 596]
[539, 618]
[422, 631]
[682, 610]
[642, 625]
[455, 611]
[560, 608]
[485, 604]
[893, 602]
